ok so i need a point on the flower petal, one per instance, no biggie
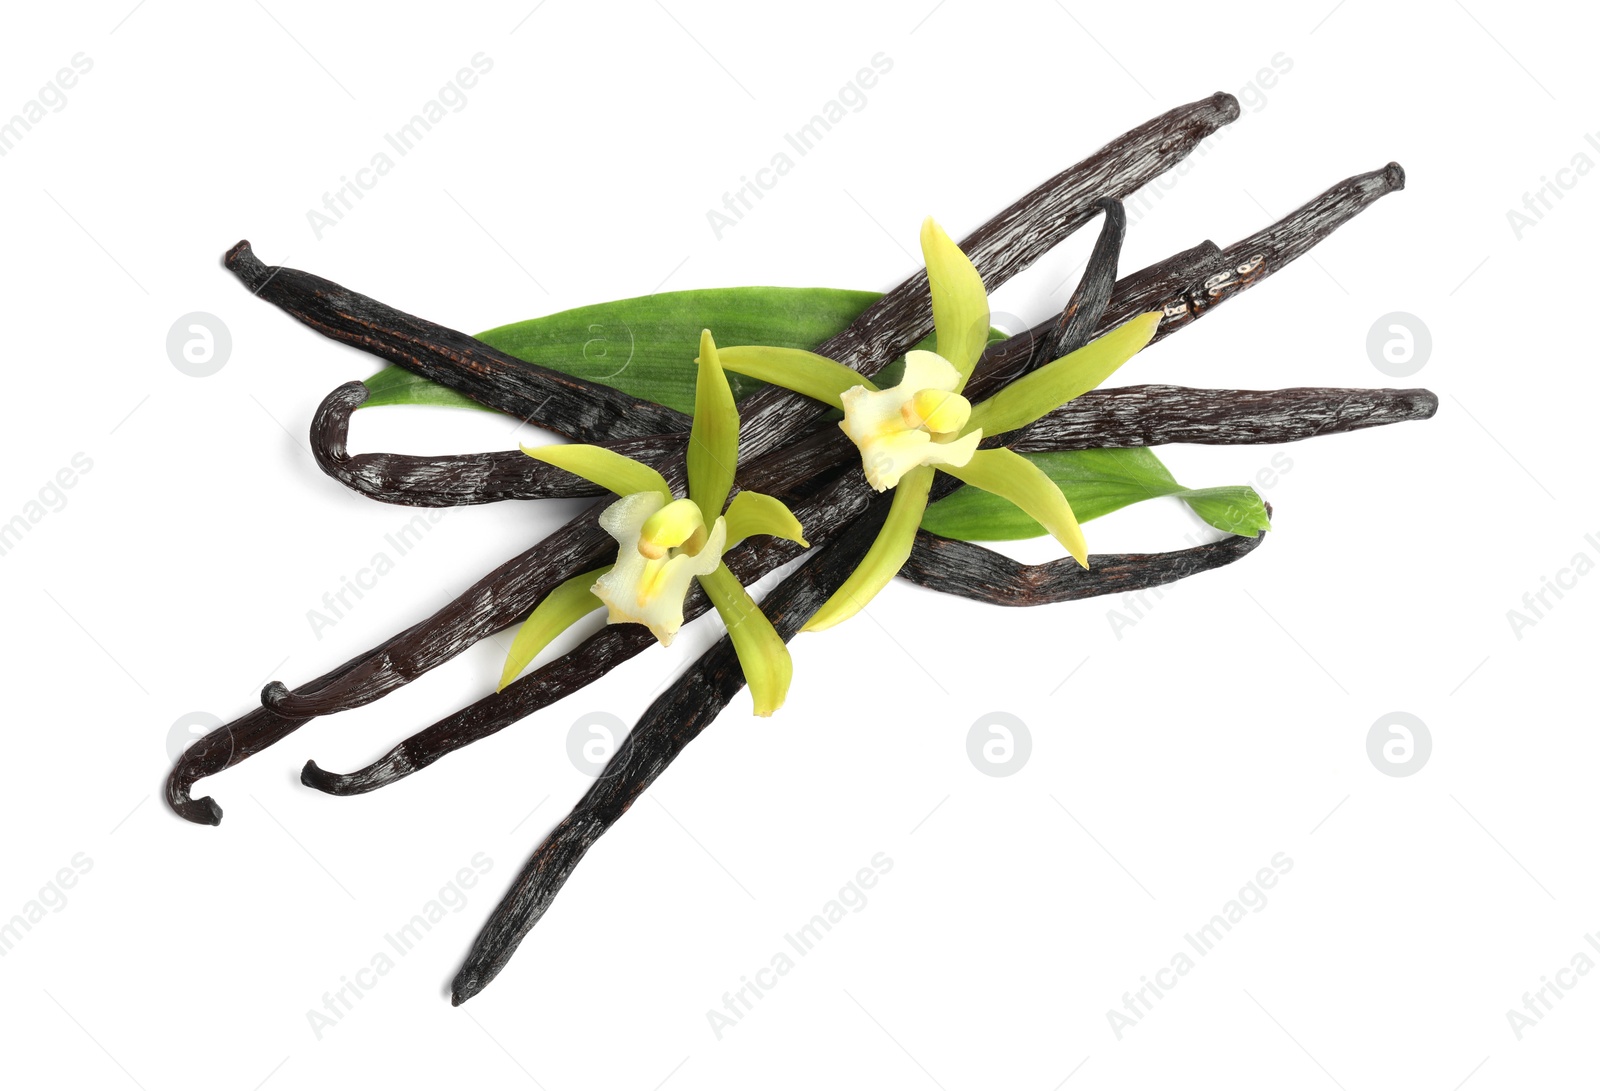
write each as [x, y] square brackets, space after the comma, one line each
[795, 369]
[714, 435]
[651, 593]
[1007, 474]
[625, 517]
[568, 603]
[619, 473]
[1054, 385]
[960, 307]
[887, 458]
[927, 371]
[757, 513]
[888, 553]
[763, 656]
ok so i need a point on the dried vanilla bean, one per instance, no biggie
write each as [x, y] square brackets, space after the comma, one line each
[576, 408]
[442, 481]
[661, 734]
[1087, 305]
[1251, 260]
[972, 571]
[1148, 416]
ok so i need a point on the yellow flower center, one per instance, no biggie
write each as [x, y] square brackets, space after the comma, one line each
[678, 525]
[936, 411]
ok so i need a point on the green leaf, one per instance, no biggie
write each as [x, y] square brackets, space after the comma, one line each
[566, 605]
[603, 466]
[1095, 483]
[397, 386]
[757, 513]
[646, 346]
[763, 656]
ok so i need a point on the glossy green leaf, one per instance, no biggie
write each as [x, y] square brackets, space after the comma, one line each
[1005, 474]
[763, 656]
[557, 612]
[603, 466]
[886, 555]
[397, 386]
[646, 346]
[1095, 483]
[714, 435]
[795, 369]
[757, 513]
[1058, 382]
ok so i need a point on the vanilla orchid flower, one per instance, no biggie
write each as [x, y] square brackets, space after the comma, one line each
[924, 422]
[664, 541]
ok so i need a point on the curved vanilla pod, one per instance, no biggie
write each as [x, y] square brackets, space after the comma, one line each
[576, 408]
[1087, 305]
[495, 602]
[1148, 416]
[662, 733]
[974, 572]
[442, 481]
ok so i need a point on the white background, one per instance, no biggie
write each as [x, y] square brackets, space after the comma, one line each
[1227, 725]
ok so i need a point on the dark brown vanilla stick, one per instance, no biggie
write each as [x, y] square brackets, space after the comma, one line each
[441, 481]
[1148, 416]
[576, 408]
[662, 733]
[498, 600]
[1252, 259]
[1087, 304]
[971, 571]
